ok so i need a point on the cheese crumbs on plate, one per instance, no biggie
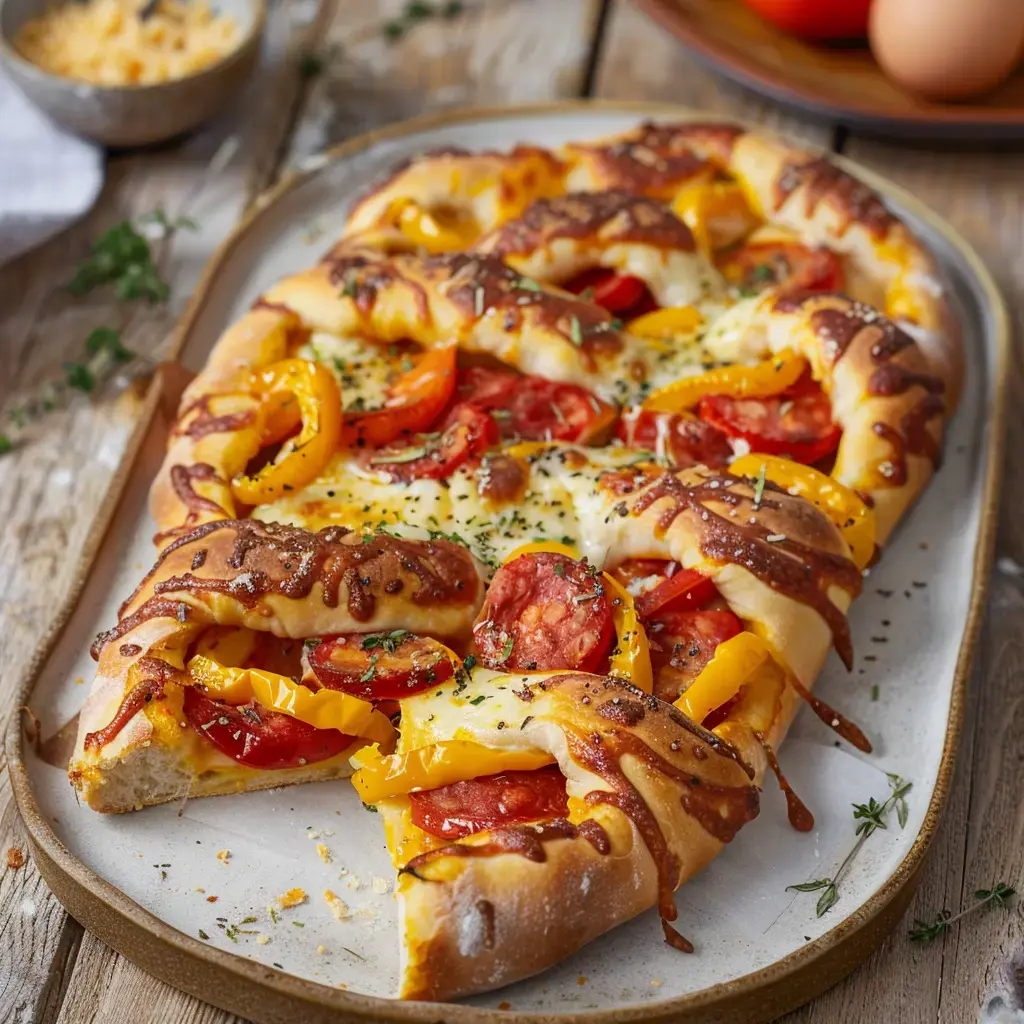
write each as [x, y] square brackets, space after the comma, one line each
[107, 42]
[292, 898]
[339, 908]
[223, 856]
[324, 852]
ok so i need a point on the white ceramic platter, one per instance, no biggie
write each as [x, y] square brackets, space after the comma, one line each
[912, 628]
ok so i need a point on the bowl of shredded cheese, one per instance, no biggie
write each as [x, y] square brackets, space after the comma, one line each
[130, 72]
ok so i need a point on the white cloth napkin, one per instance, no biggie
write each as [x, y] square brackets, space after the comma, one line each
[48, 178]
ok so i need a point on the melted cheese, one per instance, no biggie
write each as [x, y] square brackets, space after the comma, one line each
[364, 371]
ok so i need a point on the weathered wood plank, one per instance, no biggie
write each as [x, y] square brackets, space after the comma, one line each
[641, 60]
[519, 51]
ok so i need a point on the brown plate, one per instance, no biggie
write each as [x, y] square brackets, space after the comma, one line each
[840, 84]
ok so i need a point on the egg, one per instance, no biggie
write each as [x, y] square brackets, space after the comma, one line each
[947, 49]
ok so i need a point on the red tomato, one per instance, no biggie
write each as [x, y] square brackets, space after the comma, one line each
[379, 666]
[544, 611]
[686, 589]
[466, 433]
[682, 643]
[800, 427]
[790, 265]
[258, 737]
[617, 293]
[490, 801]
[816, 19]
[685, 440]
[534, 409]
[633, 569]
[415, 400]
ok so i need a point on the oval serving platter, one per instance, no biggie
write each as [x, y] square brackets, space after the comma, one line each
[143, 882]
[839, 83]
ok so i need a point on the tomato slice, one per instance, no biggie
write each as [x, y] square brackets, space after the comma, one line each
[258, 737]
[617, 293]
[534, 409]
[379, 666]
[545, 611]
[684, 440]
[682, 643]
[490, 801]
[800, 427]
[790, 265]
[415, 400]
[685, 589]
[466, 433]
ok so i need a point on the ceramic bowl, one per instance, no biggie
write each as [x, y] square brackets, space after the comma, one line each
[134, 115]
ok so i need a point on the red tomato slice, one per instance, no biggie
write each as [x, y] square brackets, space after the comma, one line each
[466, 433]
[685, 440]
[682, 643]
[800, 427]
[617, 293]
[790, 265]
[544, 611]
[258, 737]
[815, 19]
[684, 590]
[379, 666]
[416, 399]
[534, 409]
[633, 569]
[490, 801]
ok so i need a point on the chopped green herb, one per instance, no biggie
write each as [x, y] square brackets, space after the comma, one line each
[79, 377]
[506, 650]
[575, 331]
[369, 807]
[479, 700]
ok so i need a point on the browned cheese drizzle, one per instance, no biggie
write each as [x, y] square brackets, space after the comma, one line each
[799, 815]
[854, 201]
[833, 719]
[158, 673]
[203, 422]
[794, 569]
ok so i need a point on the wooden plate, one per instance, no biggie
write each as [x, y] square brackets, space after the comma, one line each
[762, 949]
[840, 84]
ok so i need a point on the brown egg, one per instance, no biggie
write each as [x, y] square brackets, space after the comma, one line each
[947, 49]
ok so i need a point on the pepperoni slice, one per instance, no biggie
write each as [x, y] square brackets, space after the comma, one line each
[545, 611]
[379, 666]
[534, 409]
[800, 426]
[789, 265]
[684, 440]
[682, 643]
[477, 805]
[617, 293]
[258, 737]
[466, 433]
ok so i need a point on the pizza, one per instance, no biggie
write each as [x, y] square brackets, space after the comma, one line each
[534, 508]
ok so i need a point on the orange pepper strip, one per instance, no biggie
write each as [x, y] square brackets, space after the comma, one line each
[316, 394]
[416, 399]
[761, 380]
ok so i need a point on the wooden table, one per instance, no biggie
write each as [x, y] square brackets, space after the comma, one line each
[495, 52]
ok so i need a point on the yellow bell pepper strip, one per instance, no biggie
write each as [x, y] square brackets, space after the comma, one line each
[438, 764]
[316, 393]
[431, 230]
[632, 657]
[761, 380]
[697, 205]
[735, 662]
[322, 709]
[227, 645]
[839, 503]
[664, 326]
[632, 660]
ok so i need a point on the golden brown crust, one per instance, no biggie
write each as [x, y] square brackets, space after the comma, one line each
[653, 798]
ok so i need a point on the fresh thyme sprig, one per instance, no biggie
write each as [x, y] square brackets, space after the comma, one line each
[867, 817]
[925, 932]
[416, 11]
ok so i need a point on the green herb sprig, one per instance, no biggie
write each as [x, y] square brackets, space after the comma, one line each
[926, 932]
[867, 818]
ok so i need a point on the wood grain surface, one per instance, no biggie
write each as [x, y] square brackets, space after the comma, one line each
[497, 51]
